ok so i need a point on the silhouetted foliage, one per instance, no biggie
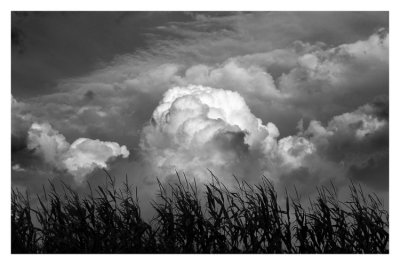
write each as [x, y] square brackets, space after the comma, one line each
[248, 219]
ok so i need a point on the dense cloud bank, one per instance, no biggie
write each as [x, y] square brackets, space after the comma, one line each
[239, 94]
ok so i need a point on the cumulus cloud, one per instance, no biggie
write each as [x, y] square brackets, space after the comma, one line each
[351, 128]
[353, 145]
[196, 128]
[79, 158]
[355, 141]
[338, 79]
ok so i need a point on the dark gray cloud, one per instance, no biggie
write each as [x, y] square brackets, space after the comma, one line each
[49, 46]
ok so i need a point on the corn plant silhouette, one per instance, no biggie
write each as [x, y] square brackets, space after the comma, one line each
[248, 219]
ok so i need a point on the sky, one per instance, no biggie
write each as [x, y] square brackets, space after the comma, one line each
[301, 98]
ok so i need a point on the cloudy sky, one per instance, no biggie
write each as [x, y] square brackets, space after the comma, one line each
[299, 97]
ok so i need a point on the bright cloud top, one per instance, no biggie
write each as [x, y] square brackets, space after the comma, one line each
[195, 128]
[79, 158]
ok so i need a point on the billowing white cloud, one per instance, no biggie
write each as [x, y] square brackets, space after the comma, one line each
[79, 158]
[197, 127]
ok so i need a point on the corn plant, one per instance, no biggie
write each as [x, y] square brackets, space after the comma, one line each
[191, 219]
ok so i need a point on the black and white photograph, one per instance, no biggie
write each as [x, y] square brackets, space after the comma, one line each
[199, 132]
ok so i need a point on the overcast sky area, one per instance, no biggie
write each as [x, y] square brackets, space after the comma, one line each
[301, 98]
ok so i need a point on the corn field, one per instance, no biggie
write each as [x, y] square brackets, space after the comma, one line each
[192, 219]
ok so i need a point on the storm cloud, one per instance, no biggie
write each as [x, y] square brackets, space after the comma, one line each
[299, 97]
